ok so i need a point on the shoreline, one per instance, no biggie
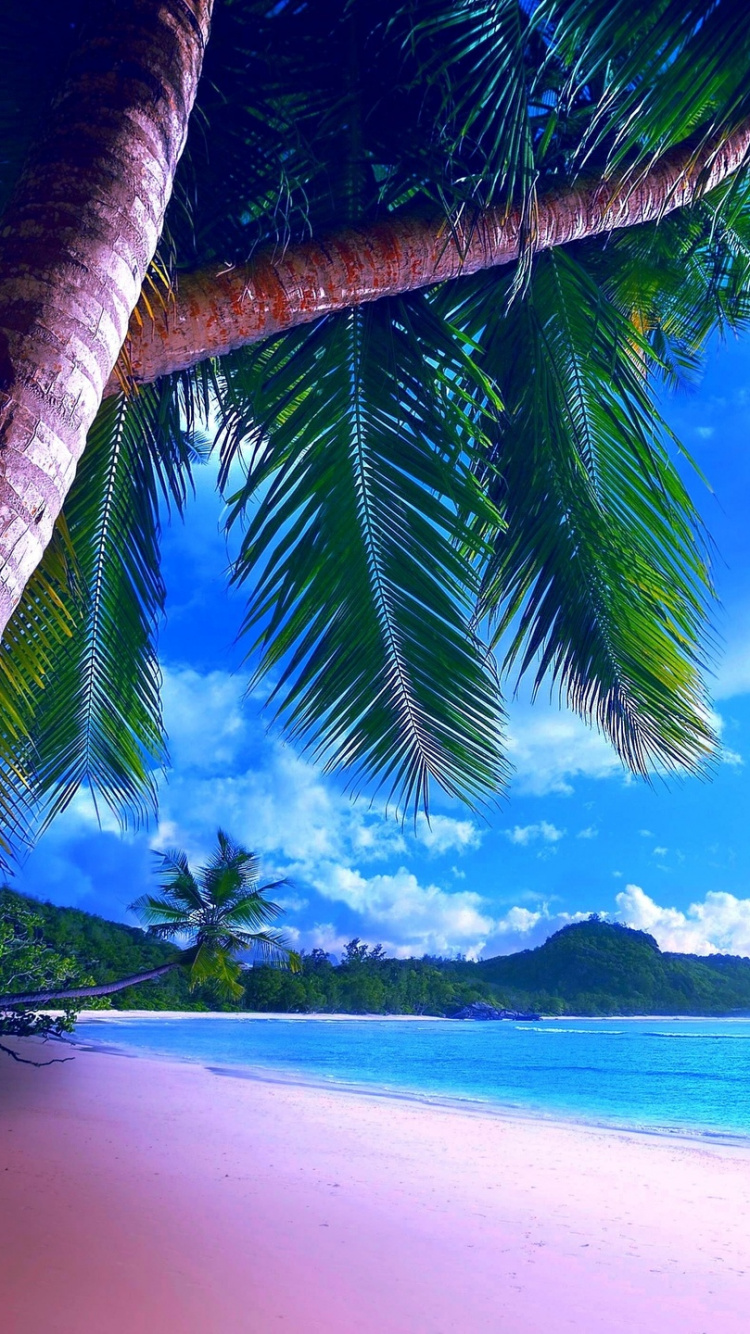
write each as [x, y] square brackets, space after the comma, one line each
[161, 1195]
[472, 1106]
[322, 1016]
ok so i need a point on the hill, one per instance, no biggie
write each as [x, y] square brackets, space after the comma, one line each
[598, 967]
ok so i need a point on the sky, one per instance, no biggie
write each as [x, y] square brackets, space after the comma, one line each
[573, 835]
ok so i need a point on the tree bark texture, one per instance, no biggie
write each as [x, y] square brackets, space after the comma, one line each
[75, 244]
[39, 998]
[217, 310]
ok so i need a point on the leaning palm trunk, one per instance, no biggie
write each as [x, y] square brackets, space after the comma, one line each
[215, 312]
[75, 244]
[39, 998]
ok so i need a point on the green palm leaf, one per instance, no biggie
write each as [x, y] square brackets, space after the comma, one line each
[600, 580]
[662, 72]
[97, 715]
[363, 548]
[37, 634]
[476, 63]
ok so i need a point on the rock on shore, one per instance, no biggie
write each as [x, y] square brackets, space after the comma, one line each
[483, 1010]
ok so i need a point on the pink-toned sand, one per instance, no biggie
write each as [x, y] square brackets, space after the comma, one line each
[138, 1197]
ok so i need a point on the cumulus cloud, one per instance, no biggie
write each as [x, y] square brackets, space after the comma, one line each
[444, 833]
[551, 748]
[720, 923]
[588, 833]
[306, 828]
[524, 928]
[410, 918]
[405, 915]
[534, 833]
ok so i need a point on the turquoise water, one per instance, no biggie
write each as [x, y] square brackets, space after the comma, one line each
[667, 1075]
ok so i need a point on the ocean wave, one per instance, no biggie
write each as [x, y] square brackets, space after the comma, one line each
[585, 1032]
[702, 1037]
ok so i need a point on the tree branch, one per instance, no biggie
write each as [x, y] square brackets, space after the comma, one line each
[25, 1060]
[215, 310]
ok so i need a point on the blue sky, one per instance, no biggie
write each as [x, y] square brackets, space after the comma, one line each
[574, 835]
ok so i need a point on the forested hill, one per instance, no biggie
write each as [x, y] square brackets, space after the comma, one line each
[106, 950]
[593, 967]
[599, 967]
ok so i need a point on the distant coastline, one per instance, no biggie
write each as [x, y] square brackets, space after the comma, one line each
[89, 1016]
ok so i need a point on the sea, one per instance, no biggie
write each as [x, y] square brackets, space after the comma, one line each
[663, 1076]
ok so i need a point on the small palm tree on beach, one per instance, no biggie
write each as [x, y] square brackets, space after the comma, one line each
[221, 910]
[217, 912]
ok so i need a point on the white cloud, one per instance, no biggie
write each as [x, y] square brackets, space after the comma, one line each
[443, 833]
[588, 832]
[524, 928]
[660, 852]
[533, 833]
[205, 720]
[551, 747]
[229, 772]
[306, 828]
[726, 754]
[290, 901]
[720, 923]
[705, 432]
[408, 917]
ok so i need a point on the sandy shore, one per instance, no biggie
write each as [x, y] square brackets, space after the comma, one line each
[138, 1196]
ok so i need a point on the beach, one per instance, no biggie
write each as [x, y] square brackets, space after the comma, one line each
[139, 1195]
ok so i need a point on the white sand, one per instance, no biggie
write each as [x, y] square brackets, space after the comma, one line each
[141, 1197]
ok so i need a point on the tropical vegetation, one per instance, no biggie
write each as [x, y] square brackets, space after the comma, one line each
[465, 478]
[216, 912]
[29, 959]
[593, 967]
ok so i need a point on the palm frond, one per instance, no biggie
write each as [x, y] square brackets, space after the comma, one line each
[37, 633]
[682, 279]
[231, 871]
[97, 715]
[663, 72]
[600, 581]
[363, 548]
[475, 63]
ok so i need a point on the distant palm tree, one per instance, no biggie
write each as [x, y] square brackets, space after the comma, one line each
[218, 910]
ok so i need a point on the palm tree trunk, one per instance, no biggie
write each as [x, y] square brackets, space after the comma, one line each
[215, 312]
[75, 244]
[39, 998]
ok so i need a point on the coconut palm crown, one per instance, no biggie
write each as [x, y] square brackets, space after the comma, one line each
[219, 910]
[430, 494]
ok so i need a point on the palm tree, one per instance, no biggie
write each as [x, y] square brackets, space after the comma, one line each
[473, 240]
[79, 234]
[218, 911]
